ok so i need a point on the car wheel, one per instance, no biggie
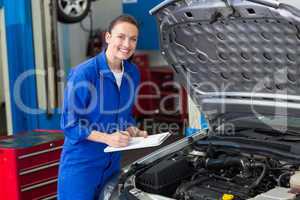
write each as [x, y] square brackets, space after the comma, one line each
[72, 11]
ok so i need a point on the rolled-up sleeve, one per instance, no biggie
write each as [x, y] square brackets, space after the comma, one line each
[76, 100]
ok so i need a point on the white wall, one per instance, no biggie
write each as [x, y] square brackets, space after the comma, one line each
[4, 72]
[1, 85]
[2, 98]
[103, 13]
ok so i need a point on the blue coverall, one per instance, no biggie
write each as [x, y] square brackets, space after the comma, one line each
[93, 101]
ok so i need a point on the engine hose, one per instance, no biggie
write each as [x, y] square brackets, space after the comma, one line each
[262, 175]
[186, 186]
[221, 163]
[279, 180]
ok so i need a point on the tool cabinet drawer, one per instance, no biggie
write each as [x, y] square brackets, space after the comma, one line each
[37, 158]
[29, 165]
[39, 191]
[38, 174]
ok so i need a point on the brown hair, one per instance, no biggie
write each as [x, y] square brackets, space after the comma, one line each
[122, 18]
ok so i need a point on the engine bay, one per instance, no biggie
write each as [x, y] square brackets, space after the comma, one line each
[209, 173]
[234, 59]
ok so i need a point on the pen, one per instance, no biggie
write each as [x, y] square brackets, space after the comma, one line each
[125, 133]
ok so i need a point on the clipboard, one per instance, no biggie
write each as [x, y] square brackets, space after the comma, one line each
[141, 142]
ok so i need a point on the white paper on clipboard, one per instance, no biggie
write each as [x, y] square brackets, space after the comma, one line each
[141, 142]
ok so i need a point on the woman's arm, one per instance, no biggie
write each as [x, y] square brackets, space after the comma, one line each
[136, 132]
[116, 139]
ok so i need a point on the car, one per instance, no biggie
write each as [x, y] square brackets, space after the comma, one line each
[72, 11]
[239, 61]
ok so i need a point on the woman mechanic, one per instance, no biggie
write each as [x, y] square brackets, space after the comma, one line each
[97, 112]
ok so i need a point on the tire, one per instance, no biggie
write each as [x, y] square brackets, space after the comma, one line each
[72, 11]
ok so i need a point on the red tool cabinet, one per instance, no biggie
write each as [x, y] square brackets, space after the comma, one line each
[29, 165]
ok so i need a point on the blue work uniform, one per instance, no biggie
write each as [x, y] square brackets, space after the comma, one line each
[93, 101]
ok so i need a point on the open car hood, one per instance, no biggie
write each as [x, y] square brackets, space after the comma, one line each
[234, 57]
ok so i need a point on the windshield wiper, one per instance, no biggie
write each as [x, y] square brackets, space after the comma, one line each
[268, 134]
[288, 151]
[273, 132]
[287, 138]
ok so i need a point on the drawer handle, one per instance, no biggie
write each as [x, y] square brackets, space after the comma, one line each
[39, 185]
[38, 168]
[39, 152]
[50, 197]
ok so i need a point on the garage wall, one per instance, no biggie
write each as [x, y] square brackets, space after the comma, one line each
[74, 39]
[103, 12]
[1, 76]
[1, 85]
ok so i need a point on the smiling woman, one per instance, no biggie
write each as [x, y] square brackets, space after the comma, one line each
[97, 111]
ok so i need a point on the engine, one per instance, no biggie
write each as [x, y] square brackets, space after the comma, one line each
[214, 175]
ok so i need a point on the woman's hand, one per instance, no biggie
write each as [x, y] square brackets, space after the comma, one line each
[136, 132]
[118, 139]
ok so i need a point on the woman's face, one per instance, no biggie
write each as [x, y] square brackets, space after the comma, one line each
[122, 40]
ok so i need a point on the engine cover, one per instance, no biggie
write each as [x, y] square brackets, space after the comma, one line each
[164, 177]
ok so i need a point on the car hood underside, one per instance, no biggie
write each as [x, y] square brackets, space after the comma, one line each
[234, 56]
